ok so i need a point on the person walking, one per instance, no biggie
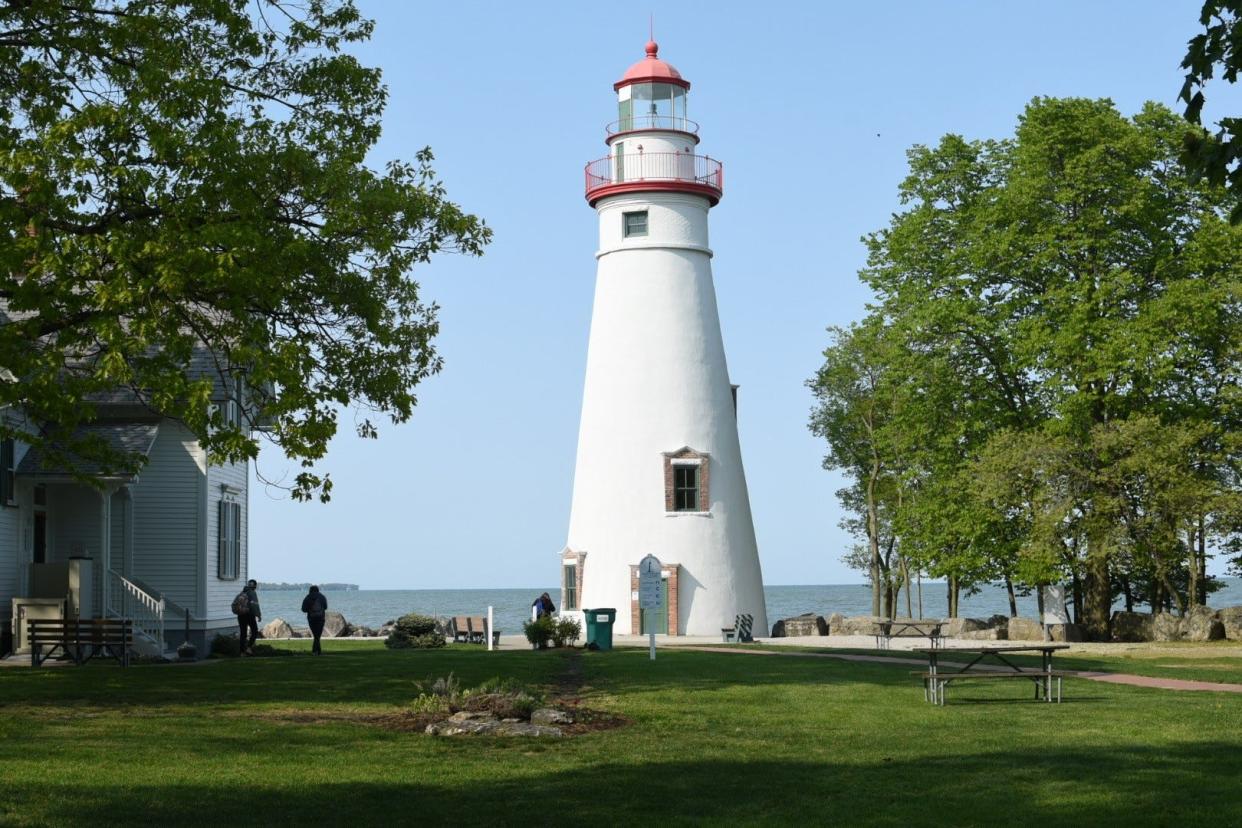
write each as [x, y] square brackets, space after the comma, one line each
[249, 614]
[543, 606]
[315, 605]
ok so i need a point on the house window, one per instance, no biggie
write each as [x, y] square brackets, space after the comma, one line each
[635, 223]
[571, 586]
[685, 488]
[8, 495]
[228, 541]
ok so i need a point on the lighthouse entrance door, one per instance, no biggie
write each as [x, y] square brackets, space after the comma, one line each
[656, 620]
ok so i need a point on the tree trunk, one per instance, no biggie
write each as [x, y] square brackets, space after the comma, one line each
[905, 576]
[1076, 583]
[1098, 598]
[1128, 592]
[1039, 601]
[919, 574]
[1192, 585]
[1201, 561]
[1013, 599]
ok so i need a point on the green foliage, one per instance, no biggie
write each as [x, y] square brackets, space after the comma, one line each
[1214, 157]
[503, 697]
[566, 632]
[414, 631]
[1047, 385]
[540, 631]
[191, 178]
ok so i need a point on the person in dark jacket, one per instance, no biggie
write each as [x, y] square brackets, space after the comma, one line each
[315, 605]
[543, 606]
[248, 621]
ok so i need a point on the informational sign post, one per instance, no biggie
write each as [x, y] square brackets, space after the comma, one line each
[650, 588]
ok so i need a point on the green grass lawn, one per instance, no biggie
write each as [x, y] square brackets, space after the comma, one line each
[714, 738]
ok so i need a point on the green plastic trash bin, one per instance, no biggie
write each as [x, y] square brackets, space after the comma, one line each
[599, 627]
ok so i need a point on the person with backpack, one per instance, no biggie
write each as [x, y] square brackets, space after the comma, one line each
[315, 605]
[249, 614]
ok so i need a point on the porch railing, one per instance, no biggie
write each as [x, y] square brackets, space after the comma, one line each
[128, 600]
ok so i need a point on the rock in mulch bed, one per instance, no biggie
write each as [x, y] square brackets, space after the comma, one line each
[486, 724]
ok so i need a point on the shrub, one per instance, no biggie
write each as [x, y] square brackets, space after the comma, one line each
[414, 631]
[224, 646]
[566, 632]
[540, 632]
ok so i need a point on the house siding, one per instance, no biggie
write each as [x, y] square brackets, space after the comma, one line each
[11, 546]
[167, 516]
[220, 593]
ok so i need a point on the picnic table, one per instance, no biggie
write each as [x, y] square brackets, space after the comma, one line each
[886, 628]
[935, 679]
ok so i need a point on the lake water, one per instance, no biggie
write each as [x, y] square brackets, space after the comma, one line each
[372, 607]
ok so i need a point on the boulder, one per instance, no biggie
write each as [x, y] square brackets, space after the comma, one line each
[855, 625]
[444, 626]
[1166, 627]
[301, 632]
[1131, 626]
[834, 623]
[335, 625]
[806, 624]
[1231, 620]
[954, 627]
[778, 630]
[549, 716]
[1202, 624]
[1025, 629]
[990, 634]
[1066, 632]
[362, 632]
[277, 628]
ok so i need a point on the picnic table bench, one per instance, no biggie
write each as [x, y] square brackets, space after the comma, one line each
[886, 628]
[935, 679]
[80, 640]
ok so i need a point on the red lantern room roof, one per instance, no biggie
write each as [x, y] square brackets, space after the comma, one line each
[652, 70]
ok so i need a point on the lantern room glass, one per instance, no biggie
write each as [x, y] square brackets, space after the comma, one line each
[652, 106]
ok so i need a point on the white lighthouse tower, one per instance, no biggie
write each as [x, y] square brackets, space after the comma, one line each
[659, 467]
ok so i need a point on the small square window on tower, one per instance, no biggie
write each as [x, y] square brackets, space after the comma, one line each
[685, 488]
[635, 223]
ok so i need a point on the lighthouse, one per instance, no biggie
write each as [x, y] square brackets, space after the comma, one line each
[659, 465]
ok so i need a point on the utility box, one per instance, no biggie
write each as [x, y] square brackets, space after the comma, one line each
[33, 609]
[599, 627]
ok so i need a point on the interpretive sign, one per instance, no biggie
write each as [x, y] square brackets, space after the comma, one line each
[650, 589]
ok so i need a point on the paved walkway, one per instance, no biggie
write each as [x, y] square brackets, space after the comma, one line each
[1108, 678]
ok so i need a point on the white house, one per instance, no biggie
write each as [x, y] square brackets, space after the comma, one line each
[659, 466]
[154, 547]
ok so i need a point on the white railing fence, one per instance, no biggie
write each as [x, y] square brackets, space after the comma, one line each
[128, 600]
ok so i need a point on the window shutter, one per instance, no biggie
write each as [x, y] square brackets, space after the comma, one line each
[236, 529]
[222, 540]
[6, 471]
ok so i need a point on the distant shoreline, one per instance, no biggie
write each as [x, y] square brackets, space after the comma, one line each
[274, 587]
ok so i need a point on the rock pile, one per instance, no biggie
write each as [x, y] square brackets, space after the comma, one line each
[468, 722]
[806, 624]
[336, 626]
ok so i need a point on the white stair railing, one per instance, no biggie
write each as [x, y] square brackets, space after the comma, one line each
[128, 600]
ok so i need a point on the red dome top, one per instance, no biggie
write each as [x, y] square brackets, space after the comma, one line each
[652, 70]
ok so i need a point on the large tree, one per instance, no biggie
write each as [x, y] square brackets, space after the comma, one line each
[180, 177]
[1065, 297]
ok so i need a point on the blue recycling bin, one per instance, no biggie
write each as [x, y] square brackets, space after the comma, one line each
[599, 627]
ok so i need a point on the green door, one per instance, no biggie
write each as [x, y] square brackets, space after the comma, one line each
[656, 620]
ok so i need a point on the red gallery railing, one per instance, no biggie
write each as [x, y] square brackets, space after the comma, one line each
[661, 170]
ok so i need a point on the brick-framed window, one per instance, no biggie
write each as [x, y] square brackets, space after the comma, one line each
[572, 564]
[687, 478]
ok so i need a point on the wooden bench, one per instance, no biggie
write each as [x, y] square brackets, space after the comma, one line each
[461, 629]
[80, 640]
[478, 631]
[740, 631]
[934, 683]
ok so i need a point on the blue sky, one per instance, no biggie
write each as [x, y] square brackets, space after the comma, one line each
[811, 106]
